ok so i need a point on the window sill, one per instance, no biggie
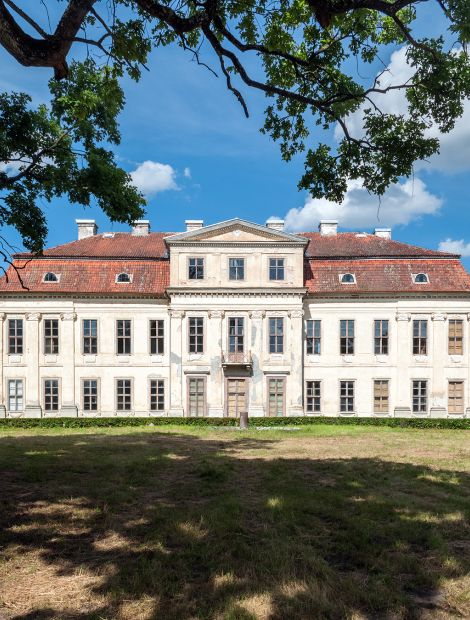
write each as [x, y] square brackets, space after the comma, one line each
[420, 359]
[50, 359]
[456, 359]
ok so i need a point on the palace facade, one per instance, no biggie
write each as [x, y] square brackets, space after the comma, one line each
[235, 316]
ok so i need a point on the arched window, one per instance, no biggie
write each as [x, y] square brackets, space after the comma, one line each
[50, 277]
[421, 278]
[348, 278]
[123, 277]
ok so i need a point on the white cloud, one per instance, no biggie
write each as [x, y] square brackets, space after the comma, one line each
[151, 177]
[455, 246]
[454, 155]
[187, 173]
[402, 203]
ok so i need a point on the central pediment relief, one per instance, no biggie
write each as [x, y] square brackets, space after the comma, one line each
[235, 231]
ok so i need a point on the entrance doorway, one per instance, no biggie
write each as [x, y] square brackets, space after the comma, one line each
[236, 396]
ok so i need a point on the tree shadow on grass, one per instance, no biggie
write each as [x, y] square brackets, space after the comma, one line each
[176, 526]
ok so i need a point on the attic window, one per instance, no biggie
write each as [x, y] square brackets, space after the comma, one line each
[123, 278]
[347, 278]
[51, 277]
[421, 278]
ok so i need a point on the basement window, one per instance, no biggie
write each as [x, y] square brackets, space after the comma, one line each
[51, 277]
[123, 278]
[347, 278]
[421, 278]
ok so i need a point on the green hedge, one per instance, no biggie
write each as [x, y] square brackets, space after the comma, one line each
[263, 422]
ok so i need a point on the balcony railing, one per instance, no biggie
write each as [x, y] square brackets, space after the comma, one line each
[236, 359]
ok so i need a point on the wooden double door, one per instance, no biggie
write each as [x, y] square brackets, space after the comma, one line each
[236, 399]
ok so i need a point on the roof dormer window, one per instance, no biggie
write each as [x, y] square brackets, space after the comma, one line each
[421, 278]
[347, 278]
[123, 278]
[51, 277]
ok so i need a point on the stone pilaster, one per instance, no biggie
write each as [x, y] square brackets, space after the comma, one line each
[67, 355]
[403, 348]
[33, 388]
[215, 388]
[295, 344]
[438, 392]
[257, 383]
[176, 362]
[3, 340]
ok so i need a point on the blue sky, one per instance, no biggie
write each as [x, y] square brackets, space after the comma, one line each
[205, 160]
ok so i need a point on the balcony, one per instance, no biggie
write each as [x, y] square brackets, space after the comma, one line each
[231, 360]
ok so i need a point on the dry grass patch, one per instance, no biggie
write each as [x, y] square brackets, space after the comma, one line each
[353, 523]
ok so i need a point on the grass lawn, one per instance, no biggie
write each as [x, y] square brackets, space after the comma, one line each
[186, 523]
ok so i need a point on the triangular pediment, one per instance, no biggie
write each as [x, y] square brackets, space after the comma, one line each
[235, 231]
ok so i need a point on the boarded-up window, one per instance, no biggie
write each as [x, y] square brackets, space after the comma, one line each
[455, 337]
[276, 397]
[197, 396]
[455, 404]
[381, 393]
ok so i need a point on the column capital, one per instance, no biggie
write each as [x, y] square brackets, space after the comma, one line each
[259, 314]
[216, 314]
[438, 316]
[68, 316]
[2, 316]
[403, 316]
[176, 314]
[33, 316]
[296, 314]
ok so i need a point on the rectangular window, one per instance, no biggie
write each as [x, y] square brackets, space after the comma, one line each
[157, 395]
[313, 396]
[381, 337]
[420, 337]
[346, 396]
[236, 268]
[236, 334]
[196, 269]
[276, 269]
[123, 337]
[347, 337]
[156, 337]
[51, 336]
[420, 396]
[90, 336]
[196, 396]
[381, 395]
[90, 394]
[15, 395]
[455, 404]
[313, 329]
[455, 337]
[51, 394]
[123, 394]
[15, 336]
[276, 397]
[196, 334]
[276, 335]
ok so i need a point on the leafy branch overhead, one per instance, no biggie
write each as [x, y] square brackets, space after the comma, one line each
[311, 57]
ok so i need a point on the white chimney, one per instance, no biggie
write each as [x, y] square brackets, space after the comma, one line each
[384, 233]
[86, 228]
[328, 228]
[193, 224]
[141, 228]
[275, 223]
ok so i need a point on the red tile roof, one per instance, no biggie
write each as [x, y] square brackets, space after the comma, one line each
[362, 244]
[89, 266]
[89, 277]
[322, 276]
[112, 245]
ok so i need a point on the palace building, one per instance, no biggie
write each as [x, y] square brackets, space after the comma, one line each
[235, 316]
